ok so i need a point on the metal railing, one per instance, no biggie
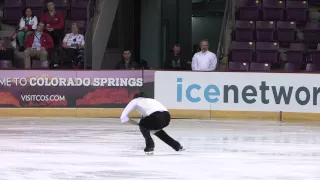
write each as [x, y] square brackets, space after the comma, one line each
[226, 18]
[89, 34]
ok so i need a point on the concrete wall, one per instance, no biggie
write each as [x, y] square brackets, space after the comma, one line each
[102, 30]
[207, 28]
[151, 32]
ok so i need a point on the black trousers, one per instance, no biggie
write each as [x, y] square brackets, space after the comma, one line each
[156, 122]
[57, 36]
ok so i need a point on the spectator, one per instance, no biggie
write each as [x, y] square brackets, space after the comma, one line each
[5, 54]
[72, 48]
[73, 41]
[28, 23]
[127, 62]
[174, 61]
[37, 44]
[54, 22]
[204, 60]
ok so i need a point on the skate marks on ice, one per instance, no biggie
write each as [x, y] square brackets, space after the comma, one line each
[100, 149]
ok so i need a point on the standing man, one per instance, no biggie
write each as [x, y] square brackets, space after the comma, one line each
[54, 22]
[204, 60]
[155, 118]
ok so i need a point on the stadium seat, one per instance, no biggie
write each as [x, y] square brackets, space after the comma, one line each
[12, 11]
[312, 32]
[245, 30]
[238, 66]
[292, 67]
[315, 55]
[242, 51]
[313, 67]
[5, 64]
[286, 31]
[267, 52]
[248, 9]
[264, 67]
[37, 64]
[79, 10]
[62, 3]
[297, 11]
[37, 6]
[273, 10]
[265, 31]
[296, 53]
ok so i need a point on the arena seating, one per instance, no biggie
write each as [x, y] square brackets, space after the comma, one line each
[74, 10]
[266, 28]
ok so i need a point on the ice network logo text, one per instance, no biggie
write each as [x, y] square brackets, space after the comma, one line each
[249, 94]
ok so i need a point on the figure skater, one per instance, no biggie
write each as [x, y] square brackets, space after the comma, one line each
[155, 117]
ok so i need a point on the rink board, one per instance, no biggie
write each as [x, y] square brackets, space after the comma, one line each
[176, 114]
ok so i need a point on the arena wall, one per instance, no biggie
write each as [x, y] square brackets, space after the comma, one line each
[188, 95]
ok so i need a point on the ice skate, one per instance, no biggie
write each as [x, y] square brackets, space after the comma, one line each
[181, 149]
[149, 151]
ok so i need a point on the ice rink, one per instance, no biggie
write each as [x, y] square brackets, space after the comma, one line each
[103, 149]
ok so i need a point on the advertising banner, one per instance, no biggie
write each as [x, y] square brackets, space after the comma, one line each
[72, 89]
[227, 91]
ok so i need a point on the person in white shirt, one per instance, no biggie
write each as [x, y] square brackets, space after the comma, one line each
[73, 40]
[73, 45]
[28, 23]
[204, 60]
[155, 117]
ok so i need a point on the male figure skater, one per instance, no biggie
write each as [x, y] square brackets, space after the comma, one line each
[155, 117]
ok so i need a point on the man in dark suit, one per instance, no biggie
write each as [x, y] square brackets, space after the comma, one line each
[127, 62]
[174, 62]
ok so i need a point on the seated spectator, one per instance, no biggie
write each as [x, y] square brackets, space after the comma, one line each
[54, 23]
[174, 61]
[127, 62]
[28, 23]
[5, 54]
[72, 46]
[37, 44]
[204, 60]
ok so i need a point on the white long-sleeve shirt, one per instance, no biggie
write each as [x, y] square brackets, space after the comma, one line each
[204, 61]
[32, 21]
[144, 106]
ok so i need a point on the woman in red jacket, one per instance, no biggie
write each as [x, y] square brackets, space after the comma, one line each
[54, 23]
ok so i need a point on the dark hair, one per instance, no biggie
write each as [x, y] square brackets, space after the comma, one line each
[24, 13]
[176, 45]
[140, 94]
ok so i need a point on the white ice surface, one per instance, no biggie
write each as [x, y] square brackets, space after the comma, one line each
[103, 149]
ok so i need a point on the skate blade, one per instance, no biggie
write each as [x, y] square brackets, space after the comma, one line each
[180, 150]
[149, 153]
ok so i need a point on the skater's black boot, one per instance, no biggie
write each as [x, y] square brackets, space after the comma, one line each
[180, 149]
[148, 150]
[149, 141]
[169, 140]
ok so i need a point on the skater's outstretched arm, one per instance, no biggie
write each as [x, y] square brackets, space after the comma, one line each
[125, 114]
